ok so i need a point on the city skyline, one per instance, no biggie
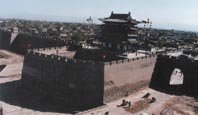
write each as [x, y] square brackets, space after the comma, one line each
[169, 14]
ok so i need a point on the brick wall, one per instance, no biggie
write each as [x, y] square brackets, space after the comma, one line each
[164, 68]
[80, 83]
[126, 76]
[5, 38]
[26, 41]
[74, 83]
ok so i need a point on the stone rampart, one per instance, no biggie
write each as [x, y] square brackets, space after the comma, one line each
[5, 38]
[23, 42]
[164, 67]
[75, 83]
[125, 76]
[97, 82]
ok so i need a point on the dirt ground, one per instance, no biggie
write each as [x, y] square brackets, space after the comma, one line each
[137, 106]
[13, 64]
[182, 105]
[3, 55]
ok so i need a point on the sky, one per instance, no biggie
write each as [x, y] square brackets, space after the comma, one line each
[167, 14]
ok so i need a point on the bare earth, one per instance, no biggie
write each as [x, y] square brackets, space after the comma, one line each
[15, 101]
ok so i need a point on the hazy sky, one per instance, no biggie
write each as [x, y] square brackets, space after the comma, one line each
[176, 14]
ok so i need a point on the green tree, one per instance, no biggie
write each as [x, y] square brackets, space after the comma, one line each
[77, 37]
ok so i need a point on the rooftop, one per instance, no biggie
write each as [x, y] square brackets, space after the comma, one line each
[120, 18]
[186, 54]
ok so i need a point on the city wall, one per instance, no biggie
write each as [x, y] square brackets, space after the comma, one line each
[50, 50]
[21, 42]
[73, 83]
[164, 68]
[5, 38]
[26, 41]
[80, 82]
[123, 77]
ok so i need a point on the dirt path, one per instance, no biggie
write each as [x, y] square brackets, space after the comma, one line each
[13, 64]
[112, 108]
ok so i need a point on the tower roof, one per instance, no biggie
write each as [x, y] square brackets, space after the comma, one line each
[120, 18]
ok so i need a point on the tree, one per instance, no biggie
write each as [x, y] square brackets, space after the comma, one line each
[77, 37]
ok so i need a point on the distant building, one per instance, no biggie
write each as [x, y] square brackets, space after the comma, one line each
[34, 31]
[14, 30]
[119, 32]
[63, 35]
[44, 30]
[1, 20]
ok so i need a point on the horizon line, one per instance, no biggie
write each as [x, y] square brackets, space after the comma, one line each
[81, 21]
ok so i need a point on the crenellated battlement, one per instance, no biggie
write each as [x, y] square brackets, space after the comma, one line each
[31, 36]
[53, 57]
[48, 49]
[169, 57]
[25, 41]
[117, 62]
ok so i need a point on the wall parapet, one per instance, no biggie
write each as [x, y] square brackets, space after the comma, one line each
[117, 62]
[39, 51]
[48, 49]
[61, 59]
[177, 58]
[41, 37]
[162, 75]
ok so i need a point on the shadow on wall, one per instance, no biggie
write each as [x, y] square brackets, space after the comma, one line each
[12, 93]
[162, 73]
[2, 67]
